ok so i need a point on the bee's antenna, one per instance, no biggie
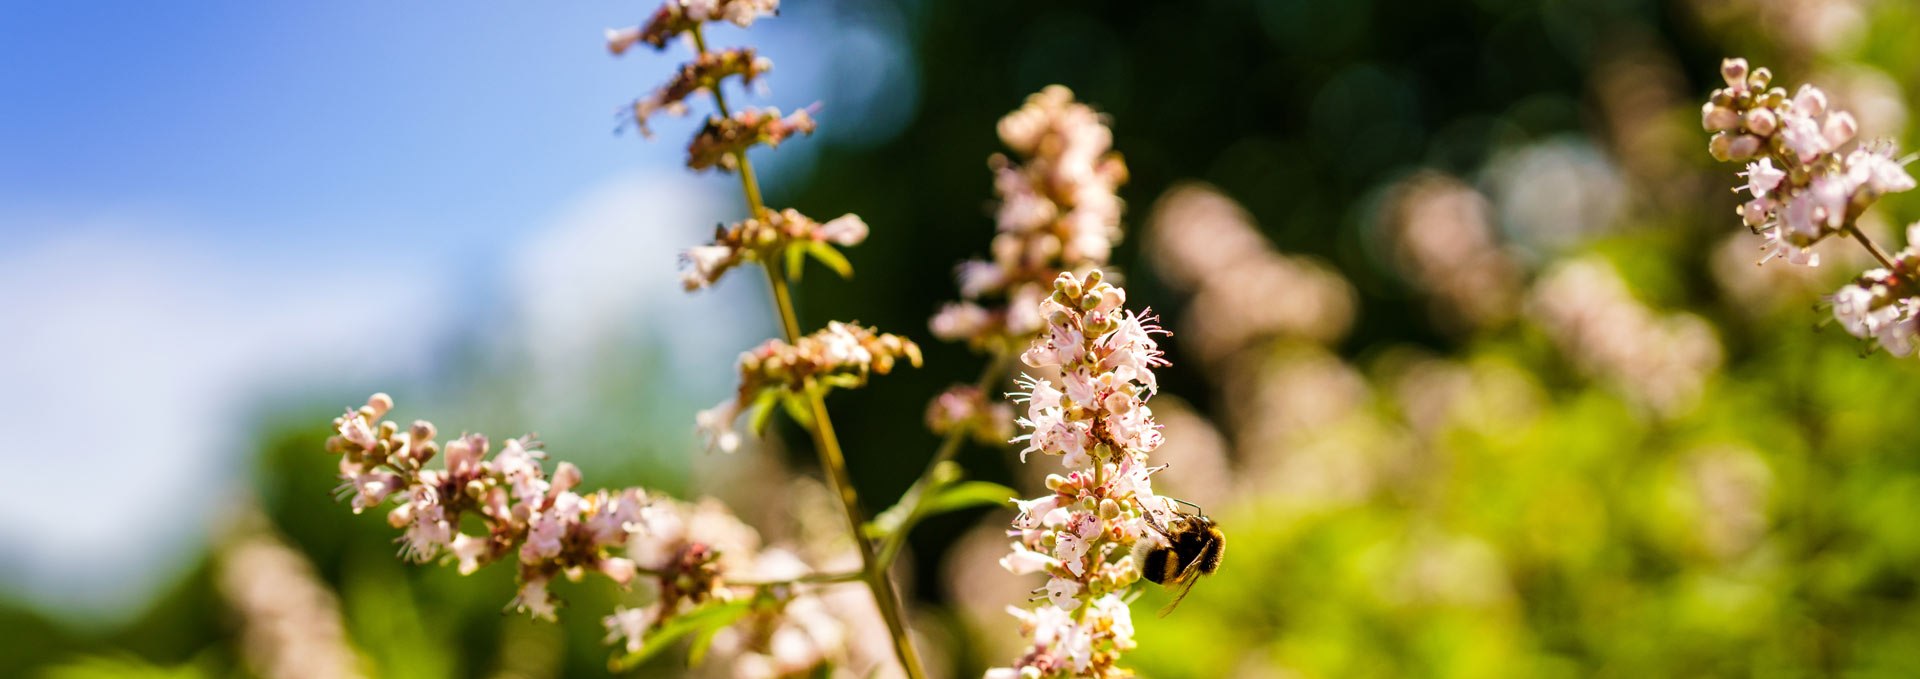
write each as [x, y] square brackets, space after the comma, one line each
[1196, 508]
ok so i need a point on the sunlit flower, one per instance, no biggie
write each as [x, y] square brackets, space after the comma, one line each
[1082, 533]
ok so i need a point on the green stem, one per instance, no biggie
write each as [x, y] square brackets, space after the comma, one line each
[1879, 254]
[834, 462]
[826, 443]
[950, 446]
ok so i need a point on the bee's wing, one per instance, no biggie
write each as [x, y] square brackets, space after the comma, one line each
[1188, 576]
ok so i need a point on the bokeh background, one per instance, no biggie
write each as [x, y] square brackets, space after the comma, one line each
[1472, 360]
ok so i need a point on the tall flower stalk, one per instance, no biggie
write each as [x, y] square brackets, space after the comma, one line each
[1805, 184]
[1083, 533]
[795, 373]
[1058, 212]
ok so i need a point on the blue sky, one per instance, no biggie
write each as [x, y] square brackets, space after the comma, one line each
[204, 203]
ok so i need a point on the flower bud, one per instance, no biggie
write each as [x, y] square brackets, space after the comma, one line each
[1744, 147]
[1761, 78]
[1810, 101]
[619, 40]
[1109, 510]
[1720, 146]
[421, 431]
[1718, 118]
[380, 403]
[1840, 128]
[619, 569]
[1754, 212]
[400, 516]
[1055, 482]
[1734, 71]
[1762, 121]
[1068, 286]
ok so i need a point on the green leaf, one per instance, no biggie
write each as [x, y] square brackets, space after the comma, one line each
[831, 257]
[796, 262]
[762, 412]
[703, 621]
[797, 408]
[964, 495]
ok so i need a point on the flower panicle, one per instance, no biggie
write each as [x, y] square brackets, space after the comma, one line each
[725, 138]
[1882, 305]
[704, 73]
[1058, 212]
[675, 18]
[1804, 184]
[842, 355]
[766, 239]
[552, 529]
[689, 554]
[967, 409]
[1083, 534]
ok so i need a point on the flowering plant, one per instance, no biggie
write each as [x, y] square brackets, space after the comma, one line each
[1082, 534]
[1804, 185]
[708, 577]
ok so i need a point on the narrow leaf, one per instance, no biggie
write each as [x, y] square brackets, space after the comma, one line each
[797, 408]
[796, 262]
[964, 495]
[705, 621]
[762, 412]
[831, 257]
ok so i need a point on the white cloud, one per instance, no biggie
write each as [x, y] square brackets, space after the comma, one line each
[133, 363]
[603, 274]
[129, 363]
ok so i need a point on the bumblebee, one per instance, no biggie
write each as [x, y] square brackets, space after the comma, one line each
[1194, 546]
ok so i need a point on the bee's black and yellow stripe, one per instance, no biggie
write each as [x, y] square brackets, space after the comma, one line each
[1195, 540]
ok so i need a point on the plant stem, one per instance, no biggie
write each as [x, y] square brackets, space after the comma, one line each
[826, 443]
[916, 496]
[1879, 254]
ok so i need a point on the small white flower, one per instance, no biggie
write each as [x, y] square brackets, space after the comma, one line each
[847, 230]
[533, 599]
[1762, 177]
[1897, 337]
[467, 551]
[1803, 136]
[704, 264]
[716, 426]
[1062, 592]
[1878, 171]
[628, 626]
[1023, 561]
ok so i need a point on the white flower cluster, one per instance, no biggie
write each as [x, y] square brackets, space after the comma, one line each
[1802, 188]
[686, 554]
[764, 240]
[1058, 212]
[1884, 304]
[1243, 290]
[289, 620]
[842, 355]
[676, 17]
[554, 530]
[1083, 534]
[1661, 360]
